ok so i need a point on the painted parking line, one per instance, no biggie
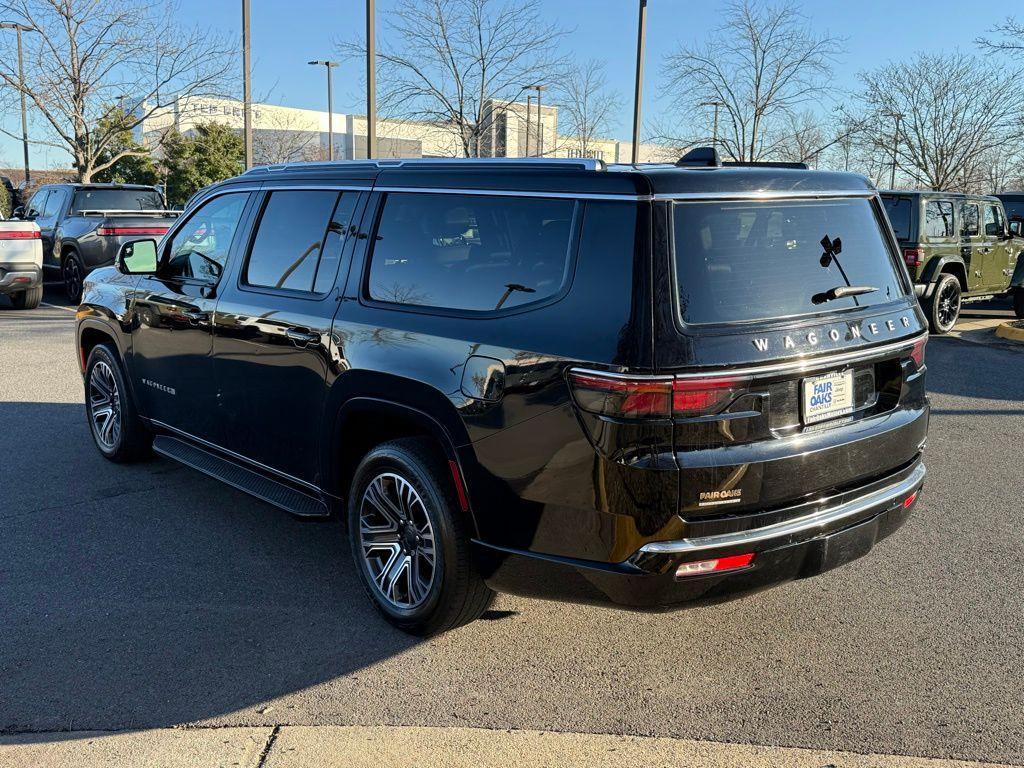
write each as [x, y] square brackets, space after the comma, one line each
[58, 306]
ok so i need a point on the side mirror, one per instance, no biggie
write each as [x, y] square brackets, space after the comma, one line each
[18, 213]
[1016, 227]
[137, 258]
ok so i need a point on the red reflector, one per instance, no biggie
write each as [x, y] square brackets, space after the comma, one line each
[459, 489]
[917, 353]
[910, 499]
[22, 280]
[913, 256]
[130, 231]
[21, 234]
[717, 565]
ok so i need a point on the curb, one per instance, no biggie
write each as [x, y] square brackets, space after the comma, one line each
[1011, 331]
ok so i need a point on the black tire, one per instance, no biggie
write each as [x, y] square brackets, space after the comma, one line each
[1018, 303]
[73, 271]
[27, 299]
[456, 593]
[944, 306]
[120, 436]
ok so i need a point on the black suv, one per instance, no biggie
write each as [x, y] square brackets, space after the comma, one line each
[648, 385]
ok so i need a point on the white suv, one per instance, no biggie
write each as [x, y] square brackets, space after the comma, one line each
[21, 263]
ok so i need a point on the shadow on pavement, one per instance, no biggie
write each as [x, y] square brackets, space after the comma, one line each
[148, 596]
[995, 374]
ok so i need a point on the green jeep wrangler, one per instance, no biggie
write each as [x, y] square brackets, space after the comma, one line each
[956, 247]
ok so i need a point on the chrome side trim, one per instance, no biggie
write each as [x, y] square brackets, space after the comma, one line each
[765, 194]
[810, 524]
[515, 193]
[234, 455]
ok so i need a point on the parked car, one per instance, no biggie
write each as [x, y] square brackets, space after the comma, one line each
[650, 386]
[21, 263]
[956, 247]
[84, 225]
[1013, 202]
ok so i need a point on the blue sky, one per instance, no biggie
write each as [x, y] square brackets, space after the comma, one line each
[287, 35]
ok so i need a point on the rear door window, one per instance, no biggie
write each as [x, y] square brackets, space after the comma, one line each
[899, 209]
[286, 251]
[971, 227]
[746, 261]
[938, 218]
[470, 252]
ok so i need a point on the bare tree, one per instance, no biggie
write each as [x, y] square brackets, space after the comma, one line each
[587, 106]
[953, 112]
[449, 58]
[1010, 38]
[279, 137]
[761, 66]
[89, 60]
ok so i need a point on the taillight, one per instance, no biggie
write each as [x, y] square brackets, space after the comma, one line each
[21, 234]
[913, 256]
[917, 351]
[130, 231]
[651, 397]
[716, 565]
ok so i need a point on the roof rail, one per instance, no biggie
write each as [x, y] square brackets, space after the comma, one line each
[577, 163]
[765, 164]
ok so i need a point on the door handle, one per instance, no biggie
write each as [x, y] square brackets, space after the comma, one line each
[194, 317]
[302, 336]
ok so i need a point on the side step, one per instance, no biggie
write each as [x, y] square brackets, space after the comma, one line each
[253, 483]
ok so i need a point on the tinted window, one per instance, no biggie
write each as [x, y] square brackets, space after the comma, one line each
[339, 229]
[753, 261]
[54, 203]
[470, 252]
[200, 248]
[118, 200]
[898, 210]
[1014, 207]
[970, 221]
[938, 218]
[286, 251]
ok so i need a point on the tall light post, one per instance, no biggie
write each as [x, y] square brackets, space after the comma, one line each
[371, 79]
[895, 139]
[19, 28]
[714, 129]
[246, 86]
[529, 101]
[540, 126]
[329, 65]
[641, 34]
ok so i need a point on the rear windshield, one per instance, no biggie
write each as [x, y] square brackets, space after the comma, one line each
[118, 200]
[743, 261]
[898, 211]
[1014, 207]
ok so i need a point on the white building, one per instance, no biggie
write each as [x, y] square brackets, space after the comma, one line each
[286, 134]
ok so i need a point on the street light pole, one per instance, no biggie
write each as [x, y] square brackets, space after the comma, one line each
[641, 34]
[246, 86]
[371, 79]
[895, 139]
[19, 28]
[330, 105]
[529, 101]
[714, 129]
[540, 126]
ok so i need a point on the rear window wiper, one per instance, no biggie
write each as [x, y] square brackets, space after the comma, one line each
[840, 292]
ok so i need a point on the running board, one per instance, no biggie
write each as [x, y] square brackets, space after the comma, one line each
[258, 485]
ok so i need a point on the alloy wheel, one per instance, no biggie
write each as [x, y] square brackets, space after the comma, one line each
[72, 277]
[104, 406]
[397, 541]
[949, 304]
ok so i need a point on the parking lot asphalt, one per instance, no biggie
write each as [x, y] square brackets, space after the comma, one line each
[149, 596]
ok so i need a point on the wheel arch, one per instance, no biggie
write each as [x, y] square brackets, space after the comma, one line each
[953, 265]
[92, 333]
[371, 408]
